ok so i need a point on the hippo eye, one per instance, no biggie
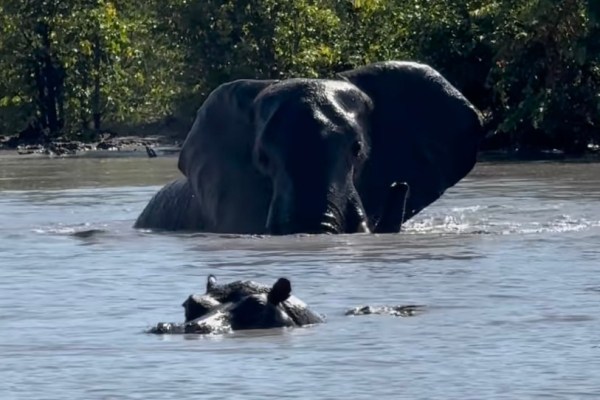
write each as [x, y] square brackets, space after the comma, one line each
[356, 148]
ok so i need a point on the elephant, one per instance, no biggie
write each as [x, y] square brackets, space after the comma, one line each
[362, 152]
[241, 305]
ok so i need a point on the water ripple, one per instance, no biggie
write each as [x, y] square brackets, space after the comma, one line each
[505, 262]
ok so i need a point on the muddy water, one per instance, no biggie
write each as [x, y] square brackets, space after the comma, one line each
[506, 263]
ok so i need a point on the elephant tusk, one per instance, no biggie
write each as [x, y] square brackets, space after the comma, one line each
[363, 227]
[393, 216]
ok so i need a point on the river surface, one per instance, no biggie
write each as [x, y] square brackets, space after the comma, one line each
[507, 264]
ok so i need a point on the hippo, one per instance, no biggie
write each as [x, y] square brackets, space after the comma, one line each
[241, 305]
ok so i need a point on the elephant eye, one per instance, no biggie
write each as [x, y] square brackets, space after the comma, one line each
[356, 148]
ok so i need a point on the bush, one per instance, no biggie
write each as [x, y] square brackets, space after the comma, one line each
[532, 66]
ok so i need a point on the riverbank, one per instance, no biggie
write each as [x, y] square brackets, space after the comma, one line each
[111, 146]
[165, 145]
[507, 156]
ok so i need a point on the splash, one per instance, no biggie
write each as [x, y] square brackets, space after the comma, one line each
[493, 220]
[84, 230]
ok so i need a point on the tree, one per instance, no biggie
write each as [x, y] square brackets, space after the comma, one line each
[545, 76]
[70, 65]
[28, 31]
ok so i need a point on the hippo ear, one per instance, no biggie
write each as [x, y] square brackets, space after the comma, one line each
[224, 124]
[211, 282]
[423, 132]
[280, 291]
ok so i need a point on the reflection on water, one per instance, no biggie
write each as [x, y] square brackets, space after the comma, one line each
[506, 264]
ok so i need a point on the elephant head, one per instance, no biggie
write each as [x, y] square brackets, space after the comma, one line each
[321, 156]
[311, 140]
[288, 151]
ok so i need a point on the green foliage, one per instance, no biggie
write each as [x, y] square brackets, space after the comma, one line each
[306, 39]
[69, 65]
[545, 74]
[373, 30]
[72, 66]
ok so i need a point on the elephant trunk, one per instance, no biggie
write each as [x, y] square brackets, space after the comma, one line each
[329, 223]
[284, 219]
[278, 219]
[315, 209]
[356, 217]
[325, 223]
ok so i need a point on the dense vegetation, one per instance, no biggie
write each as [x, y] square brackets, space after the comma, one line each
[77, 67]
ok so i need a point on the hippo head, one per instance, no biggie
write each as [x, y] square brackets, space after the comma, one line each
[216, 296]
[238, 306]
[241, 305]
[262, 311]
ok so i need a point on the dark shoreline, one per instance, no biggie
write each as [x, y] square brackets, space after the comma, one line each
[108, 146]
[505, 156]
[164, 145]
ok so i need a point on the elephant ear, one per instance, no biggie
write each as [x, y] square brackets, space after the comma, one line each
[224, 125]
[423, 132]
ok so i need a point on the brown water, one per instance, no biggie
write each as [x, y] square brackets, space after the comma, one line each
[507, 263]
